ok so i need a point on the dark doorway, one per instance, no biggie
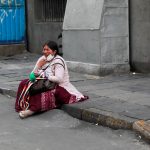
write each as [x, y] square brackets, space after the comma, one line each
[45, 19]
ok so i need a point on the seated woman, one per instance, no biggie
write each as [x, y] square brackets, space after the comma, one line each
[53, 67]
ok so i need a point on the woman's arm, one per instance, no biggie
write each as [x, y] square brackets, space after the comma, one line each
[41, 61]
[59, 74]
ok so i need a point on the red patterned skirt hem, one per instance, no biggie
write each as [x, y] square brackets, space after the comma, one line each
[47, 100]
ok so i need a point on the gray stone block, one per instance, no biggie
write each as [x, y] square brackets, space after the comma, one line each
[116, 3]
[82, 46]
[83, 15]
[115, 50]
[115, 22]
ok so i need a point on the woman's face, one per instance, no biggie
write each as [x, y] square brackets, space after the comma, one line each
[47, 51]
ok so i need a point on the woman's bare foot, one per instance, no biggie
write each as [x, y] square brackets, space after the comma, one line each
[25, 113]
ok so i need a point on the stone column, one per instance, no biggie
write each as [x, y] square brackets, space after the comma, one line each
[95, 36]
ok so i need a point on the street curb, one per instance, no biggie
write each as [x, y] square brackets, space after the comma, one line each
[106, 119]
[99, 117]
[8, 92]
[143, 128]
[90, 115]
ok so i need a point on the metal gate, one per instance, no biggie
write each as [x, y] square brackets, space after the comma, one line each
[12, 21]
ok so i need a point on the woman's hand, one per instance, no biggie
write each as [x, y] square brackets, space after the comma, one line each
[41, 63]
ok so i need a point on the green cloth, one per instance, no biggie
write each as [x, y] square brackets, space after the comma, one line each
[32, 77]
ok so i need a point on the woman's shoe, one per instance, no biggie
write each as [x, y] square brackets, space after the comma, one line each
[25, 114]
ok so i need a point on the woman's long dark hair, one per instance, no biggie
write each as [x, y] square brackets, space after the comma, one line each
[53, 46]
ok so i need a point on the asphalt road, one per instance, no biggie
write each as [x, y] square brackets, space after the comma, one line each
[55, 130]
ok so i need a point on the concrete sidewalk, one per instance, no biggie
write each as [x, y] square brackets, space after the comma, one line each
[116, 101]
